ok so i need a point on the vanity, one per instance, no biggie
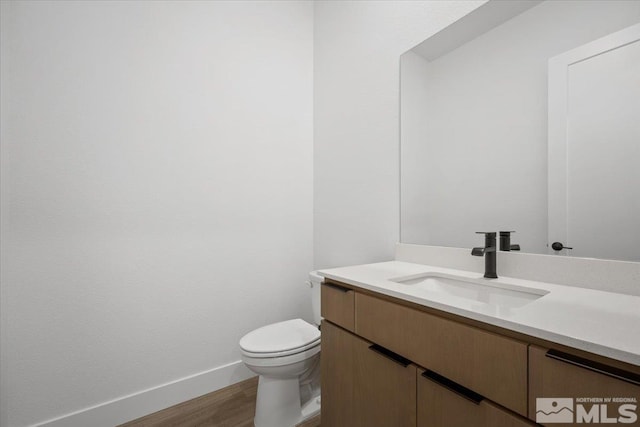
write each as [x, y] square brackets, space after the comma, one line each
[520, 116]
[407, 344]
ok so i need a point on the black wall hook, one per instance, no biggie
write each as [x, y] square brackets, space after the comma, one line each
[558, 246]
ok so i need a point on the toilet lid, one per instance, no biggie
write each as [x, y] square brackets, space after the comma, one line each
[279, 337]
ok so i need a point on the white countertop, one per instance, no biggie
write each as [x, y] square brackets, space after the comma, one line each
[599, 322]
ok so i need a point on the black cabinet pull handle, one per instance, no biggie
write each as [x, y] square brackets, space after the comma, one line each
[337, 287]
[454, 387]
[390, 355]
[600, 368]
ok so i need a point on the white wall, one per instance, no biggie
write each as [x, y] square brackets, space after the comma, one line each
[482, 163]
[156, 192]
[414, 183]
[356, 131]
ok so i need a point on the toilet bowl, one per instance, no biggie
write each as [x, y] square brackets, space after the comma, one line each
[286, 356]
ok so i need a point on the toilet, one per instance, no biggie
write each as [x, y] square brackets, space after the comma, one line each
[286, 356]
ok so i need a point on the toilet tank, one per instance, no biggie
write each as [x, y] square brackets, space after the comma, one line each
[314, 282]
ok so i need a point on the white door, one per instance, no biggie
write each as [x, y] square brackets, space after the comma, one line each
[594, 148]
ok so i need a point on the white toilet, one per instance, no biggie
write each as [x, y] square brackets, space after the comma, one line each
[286, 355]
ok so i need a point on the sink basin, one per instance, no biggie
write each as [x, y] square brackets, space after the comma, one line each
[492, 293]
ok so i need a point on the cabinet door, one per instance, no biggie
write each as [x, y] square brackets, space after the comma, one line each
[384, 388]
[364, 385]
[443, 403]
[554, 375]
[337, 367]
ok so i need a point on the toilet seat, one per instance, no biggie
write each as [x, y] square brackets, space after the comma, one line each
[281, 353]
[281, 339]
[280, 361]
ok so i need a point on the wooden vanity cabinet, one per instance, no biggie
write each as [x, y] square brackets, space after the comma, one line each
[556, 374]
[386, 363]
[366, 386]
[443, 403]
[487, 363]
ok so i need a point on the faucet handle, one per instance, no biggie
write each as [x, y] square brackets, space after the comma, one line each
[505, 242]
[489, 242]
[487, 233]
[477, 251]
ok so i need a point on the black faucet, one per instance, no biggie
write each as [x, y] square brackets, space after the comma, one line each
[505, 242]
[489, 253]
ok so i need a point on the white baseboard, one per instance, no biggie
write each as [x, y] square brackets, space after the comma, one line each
[136, 405]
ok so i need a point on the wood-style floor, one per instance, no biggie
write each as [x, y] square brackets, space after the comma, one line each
[232, 406]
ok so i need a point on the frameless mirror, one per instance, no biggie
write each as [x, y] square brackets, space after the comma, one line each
[524, 116]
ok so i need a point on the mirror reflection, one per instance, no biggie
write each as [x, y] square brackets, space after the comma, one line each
[490, 143]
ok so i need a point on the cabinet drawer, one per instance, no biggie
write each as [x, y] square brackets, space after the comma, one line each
[336, 305]
[442, 403]
[494, 366]
[553, 374]
[384, 388]
[363, 385]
